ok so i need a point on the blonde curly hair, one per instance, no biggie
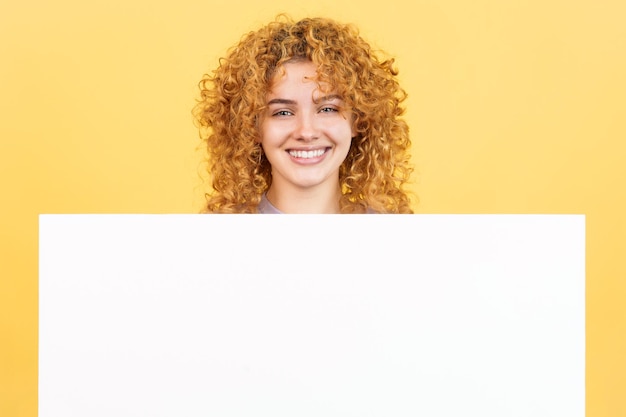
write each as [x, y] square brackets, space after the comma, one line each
[233, 100]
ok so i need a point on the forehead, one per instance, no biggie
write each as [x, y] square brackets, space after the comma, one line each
[297, 74]
[295, 71]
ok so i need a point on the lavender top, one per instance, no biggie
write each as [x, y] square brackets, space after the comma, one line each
[265, 207]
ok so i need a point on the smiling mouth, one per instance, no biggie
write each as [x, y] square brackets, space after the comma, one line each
[316, 153]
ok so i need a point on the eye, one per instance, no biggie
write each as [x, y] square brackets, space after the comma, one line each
[282, 113]
[328, 109]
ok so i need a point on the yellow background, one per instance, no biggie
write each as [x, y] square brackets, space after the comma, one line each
[515, 107]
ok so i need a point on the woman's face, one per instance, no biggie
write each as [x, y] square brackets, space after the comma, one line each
[305, 133]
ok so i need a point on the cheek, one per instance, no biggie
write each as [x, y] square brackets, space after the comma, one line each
[265, 133]
[267, 130]
[345, 132]
[272, 132]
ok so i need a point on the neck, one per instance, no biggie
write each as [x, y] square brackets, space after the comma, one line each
[321, 200]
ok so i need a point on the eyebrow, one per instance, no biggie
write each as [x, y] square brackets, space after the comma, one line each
[329, 97]
[280, 101]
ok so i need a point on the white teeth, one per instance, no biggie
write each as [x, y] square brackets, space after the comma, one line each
[307, 154]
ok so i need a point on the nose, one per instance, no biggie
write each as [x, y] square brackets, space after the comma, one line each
[307, 129]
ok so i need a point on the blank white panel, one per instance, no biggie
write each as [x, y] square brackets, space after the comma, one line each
[311, 315]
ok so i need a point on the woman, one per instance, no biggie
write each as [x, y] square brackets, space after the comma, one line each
[303, 117]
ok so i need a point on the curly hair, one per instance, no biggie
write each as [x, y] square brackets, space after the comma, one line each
[233, 100]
